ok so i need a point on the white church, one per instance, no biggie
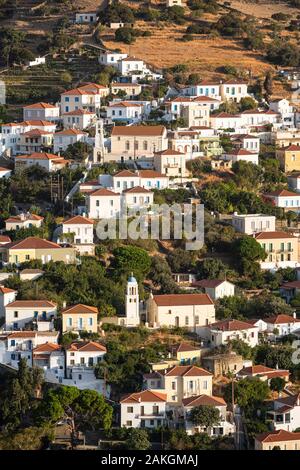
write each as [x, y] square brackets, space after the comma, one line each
[132, 306]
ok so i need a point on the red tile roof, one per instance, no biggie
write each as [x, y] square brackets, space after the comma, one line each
[125, 104]
[184, 347]
[80, 308]
[40, 105]
[145, 396]
[147, 131]
[208, 283]
[31, 304]
[104, 192]
[274, 235]
[185, 371]
[33, 243]
[78, 219]
[47, 347]
[4, 239]
[6, 290]
[137, 189]
[278, 436]
[281, 319]
[125, 174]
[70, 132]
[88, 346]
[169, 152]
[182, 299]
[231, 325]
[39, 156]
[282, 192]
[205, 400]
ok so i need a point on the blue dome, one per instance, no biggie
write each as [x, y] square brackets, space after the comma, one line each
[132, 278]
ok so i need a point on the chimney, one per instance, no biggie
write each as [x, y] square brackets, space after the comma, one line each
[64, 304]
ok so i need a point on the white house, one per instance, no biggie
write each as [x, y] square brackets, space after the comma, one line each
[7, 296]
[81, 227]
[136, 198]
[62, 139]
[180, 382]
[86, 17]
[126, 179]
[20, 344]
[50, 357]
[215, 288]
[252, 223]
[246, 141]
[224, 331]
[192, 311]
[146, 409]
[84, 97]
[282, 325]
[205, 88]
[239, 155]
[111, 58]
[41, 111]
[282, 106]
[5, 172]
[225, 426]
[125, 111]
[226, 121]
[286, 413]
[263, 373]
[78, 119]
[20, 312]
[27, 220]
[84, 353]
[48, 161]
[283, 198]
[170, 162]
[233, 90]
[103, 204]
[82, 230]
[256, 117]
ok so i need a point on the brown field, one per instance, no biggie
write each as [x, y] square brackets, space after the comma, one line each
[262, 10]
[164, 49]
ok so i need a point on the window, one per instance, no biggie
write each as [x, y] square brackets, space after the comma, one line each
[13, 342]
[129, 409]
[128, 423]
[197, 320]
[145, 145]
[127, 145]
[16, 314]
[155, 410]
[173, 385]
[191, 385]
[69, 321]
[186, 321]
[90, 321]
[79, 376]
[82, 361]
[205, 385]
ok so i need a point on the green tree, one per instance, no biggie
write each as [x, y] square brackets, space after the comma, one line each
[277, 384]
[205, 416]
[137, 439]
[129, 259]
[248, 392]
[268, 84]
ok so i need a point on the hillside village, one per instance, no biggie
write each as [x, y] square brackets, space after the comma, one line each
[140, 342]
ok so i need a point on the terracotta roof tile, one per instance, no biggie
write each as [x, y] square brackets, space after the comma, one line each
[182, 299]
